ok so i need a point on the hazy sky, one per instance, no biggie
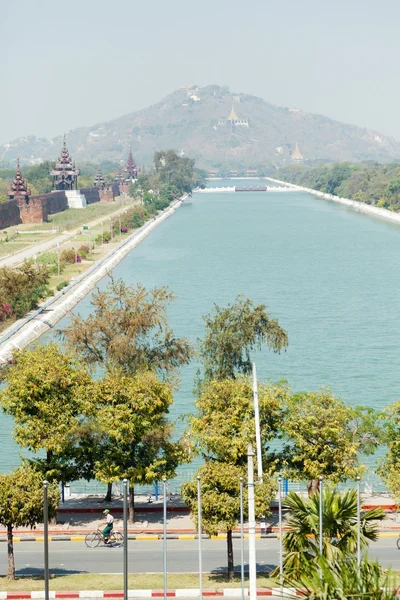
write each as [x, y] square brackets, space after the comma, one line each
[80, 62]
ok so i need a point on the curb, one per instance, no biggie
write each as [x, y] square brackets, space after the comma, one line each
[138, 537]
[179, 593]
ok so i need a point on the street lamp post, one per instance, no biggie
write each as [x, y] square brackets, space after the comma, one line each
[165, 535]
[321, 529]
[199, 524]
[46, 538]
[111, 229]
[358, 523]
[280, 531]
[58, 260]
[252, 524]
[241, 539]
[125, 508]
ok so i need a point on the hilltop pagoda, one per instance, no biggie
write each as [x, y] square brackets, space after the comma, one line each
[119, 178]
[65, 174]
[233, 120]
[99, 180]
[297, 155]
[18, 188]
[131, 167]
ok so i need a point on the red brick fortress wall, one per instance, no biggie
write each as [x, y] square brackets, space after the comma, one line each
[32, 209]
[91, 194]
[55, 202]
[9, 214]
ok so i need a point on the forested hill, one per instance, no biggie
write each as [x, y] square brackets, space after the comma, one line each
[194, 121]
[374, 184]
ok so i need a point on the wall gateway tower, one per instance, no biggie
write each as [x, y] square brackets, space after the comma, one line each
[65, 174]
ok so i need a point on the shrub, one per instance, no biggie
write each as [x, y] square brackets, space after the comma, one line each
[68, 256]
[83, 250]
[124, 229]
[5, 311]
[62, 285]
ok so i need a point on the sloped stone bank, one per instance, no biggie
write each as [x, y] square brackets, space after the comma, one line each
[27, 330]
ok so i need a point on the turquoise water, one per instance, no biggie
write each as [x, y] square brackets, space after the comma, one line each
[329, 274]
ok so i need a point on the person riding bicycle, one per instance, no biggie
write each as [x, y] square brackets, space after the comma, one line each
[109, 525]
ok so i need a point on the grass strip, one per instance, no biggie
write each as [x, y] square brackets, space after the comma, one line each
[93, 581]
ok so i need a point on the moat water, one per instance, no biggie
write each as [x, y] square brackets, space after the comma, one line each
[329, 274]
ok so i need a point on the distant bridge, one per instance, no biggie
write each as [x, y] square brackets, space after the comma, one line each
[264, 188]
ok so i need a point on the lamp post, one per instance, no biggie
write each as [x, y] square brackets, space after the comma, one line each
[111, 230]
[358, 523]
[58, 260]
[252, 524]
[199, 535]
[321, 529]
[280, 531]
[125, 508]
[46, 538]
[241, 539]
[165, 535]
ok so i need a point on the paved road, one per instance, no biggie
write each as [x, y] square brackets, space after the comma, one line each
[30, 251]
[146, 557]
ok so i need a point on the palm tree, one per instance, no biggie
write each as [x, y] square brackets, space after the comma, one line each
[343, 579]
[301, 542]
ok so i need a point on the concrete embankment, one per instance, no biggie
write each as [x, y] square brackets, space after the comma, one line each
[27, 330]
[383, 213]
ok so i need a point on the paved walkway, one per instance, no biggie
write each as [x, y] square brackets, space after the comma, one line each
[30, 252]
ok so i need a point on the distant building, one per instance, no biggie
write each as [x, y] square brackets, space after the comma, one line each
[99, 180]
[65, 174]
[233, 120]
[131, 167]
[297, 155]
[18, 188]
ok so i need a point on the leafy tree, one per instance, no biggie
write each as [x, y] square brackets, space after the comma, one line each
[325, 437]
[389, 467]
[128, 330]
[232, 332]
[301, 542]
[343, 579]
[21, 504]
[22, 287]
[220, 432]
[223, 425]
[44, 396]
[126, 423]
[220, 500]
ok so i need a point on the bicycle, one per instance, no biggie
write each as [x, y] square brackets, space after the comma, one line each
[94, 538]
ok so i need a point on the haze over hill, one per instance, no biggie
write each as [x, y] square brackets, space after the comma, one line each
[218, 128]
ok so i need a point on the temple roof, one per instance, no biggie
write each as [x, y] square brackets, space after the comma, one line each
[99, 180]
[297, 155]
[65, 162]
[130, 166]
[119, 176]
[18, 186]
[232, 116]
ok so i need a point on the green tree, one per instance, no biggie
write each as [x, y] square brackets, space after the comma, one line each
[22, 287]
[44, 395]
[126, 419]
[389, 467]
[232, 332]
[21, 504]
[223, 425]
[301, 542]
[128, 329]
[220, 500]
[325, 437]
[220, 431]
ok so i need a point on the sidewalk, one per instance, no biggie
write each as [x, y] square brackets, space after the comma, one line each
[80, 514]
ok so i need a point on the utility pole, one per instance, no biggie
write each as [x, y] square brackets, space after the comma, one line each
[252, 525]
[257, 421]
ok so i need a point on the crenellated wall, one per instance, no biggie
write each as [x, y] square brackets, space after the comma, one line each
[91, 194]
[9, 214]
[37, 208]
